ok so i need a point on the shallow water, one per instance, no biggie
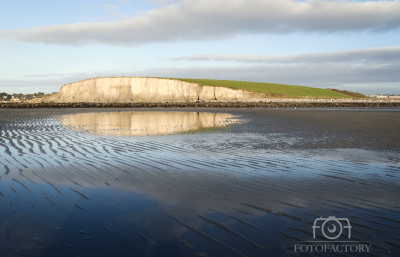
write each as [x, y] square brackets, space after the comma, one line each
[84, 183]
[145, 123]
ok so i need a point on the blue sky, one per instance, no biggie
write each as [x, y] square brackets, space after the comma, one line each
[348, 45]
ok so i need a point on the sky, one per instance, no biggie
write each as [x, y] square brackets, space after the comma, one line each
[346, 45]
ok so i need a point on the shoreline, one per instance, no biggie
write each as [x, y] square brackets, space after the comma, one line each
[217, 104]
[284, 128]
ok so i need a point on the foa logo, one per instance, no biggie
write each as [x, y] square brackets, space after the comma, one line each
[331, 227]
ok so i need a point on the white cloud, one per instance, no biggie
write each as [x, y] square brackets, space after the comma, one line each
[358, 56]
[163, 2]
[288, 74]
[371, 66]
[370, 70]
[111, 7]
[379, 78]
[215, 19]
[374, 78]
[113, 12]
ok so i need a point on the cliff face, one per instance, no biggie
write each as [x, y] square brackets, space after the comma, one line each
[134, 89]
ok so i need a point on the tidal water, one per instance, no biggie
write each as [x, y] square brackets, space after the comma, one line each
[198, 182]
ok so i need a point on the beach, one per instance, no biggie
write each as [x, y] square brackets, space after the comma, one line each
[195, 181]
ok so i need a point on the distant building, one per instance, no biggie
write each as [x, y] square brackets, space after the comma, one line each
[15, 98]
[384, 96]
[29, 97]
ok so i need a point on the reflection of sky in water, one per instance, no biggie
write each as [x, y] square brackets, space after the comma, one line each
[180, 195]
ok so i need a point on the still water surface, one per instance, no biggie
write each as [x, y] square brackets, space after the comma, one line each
[145, 123]
[135, 184]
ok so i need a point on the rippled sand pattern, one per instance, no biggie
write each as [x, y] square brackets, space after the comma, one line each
[65, 192]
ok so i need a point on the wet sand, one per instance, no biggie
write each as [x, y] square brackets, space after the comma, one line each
[252, 188]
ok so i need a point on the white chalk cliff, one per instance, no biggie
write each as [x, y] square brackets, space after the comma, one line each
[135, 89]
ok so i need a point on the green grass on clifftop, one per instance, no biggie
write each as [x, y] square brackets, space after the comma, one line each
[275, 90]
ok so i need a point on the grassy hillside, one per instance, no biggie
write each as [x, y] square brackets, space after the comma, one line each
[275, 90]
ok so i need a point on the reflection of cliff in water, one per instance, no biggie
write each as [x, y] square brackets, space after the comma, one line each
[145, 123]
